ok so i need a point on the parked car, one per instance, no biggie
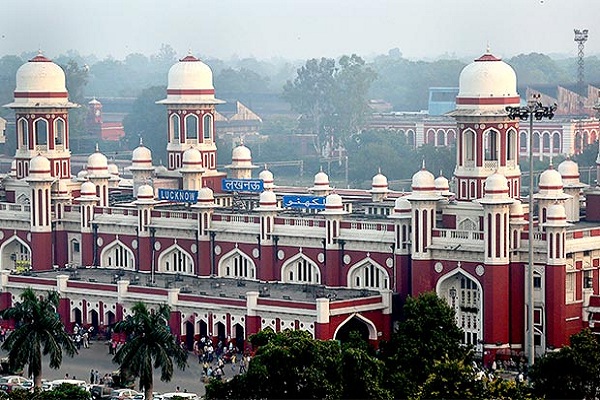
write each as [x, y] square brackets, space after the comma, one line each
[24, 383]
[121, 394]
[141, 396]
[101, 392]
[54, 384]
[184, 395]
[10, 387]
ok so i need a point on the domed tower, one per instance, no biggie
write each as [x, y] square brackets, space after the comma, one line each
[141, 166]
[205, 208]
[321, 184]
[572, 186]
[192, 169]
[97, 168]
[241, 163]
[94, 117]
[487, 138]
[41, 106]
[40, 181]
[550, 192]
[379, 187]
[423, 200]
[191, 113]
[268, 179]
[87, 200]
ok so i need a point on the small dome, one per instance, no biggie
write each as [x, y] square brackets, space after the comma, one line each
[141, 157]
[402, 206]
[550, 179]
[496, 184]
[441, 184]
[145, 192]
[205, 194]
[569, 171]
[379, 184]
[267, 177]
[423, 180]
[321, 179]
[82, 174]
[97, 163]
[94, 102]
[113, 169]
[487, 77]
[334, 205]
[556, 215]
[241, 155]
[160, 169]
[267, 199]
[192, 160]
[190, 81]
[39, 166]
[88, 189]
[516, 210]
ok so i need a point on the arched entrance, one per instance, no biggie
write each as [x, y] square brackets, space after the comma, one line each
[464, 294]
[189, 335]
[221, 331]
[203, 328]
[354, 324]
[15, 255]
[239, 336]
[94, 317]
[77, 316]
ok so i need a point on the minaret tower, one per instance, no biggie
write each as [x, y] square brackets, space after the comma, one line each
[191, 114]
[97, 168]
[192, 170]
[241, 162]
[141, 166]
[487, 138]
[40, 181]
[41, 107]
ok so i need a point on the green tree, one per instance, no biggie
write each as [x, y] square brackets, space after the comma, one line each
[64, 391]
[150, 346]
[452, 379]
[148, 120]
[428, 333]
[39, 331]
[573, 372]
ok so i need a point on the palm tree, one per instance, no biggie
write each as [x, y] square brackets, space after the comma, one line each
[150, 345]
[39, 331]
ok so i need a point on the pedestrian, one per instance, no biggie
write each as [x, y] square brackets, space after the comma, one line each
[92, 377]
[205, 367]
[67, 375]
[97, 376]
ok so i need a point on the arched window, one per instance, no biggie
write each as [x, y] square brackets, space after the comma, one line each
[301, 270]
[207, 126]
[523, 142]
[41, 132]
[368, 275]
[59, 131]
[546, 142]
[469, 146]
[536, 142]
[117, 255]
[176, 260]
[491, 145]
[23, 133]
[511, 153]
[174, 126]
[237, 265]
[556, 142]
[441, 138]
[410, 138]
[191, 127]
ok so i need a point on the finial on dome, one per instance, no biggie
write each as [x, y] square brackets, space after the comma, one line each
[441, 172]
[551, 167]
[379, 170]
[189, 51]
[241, 140]
[266, 166]
[487, 48]
[423, 164]
[97, 148]
[321, 168]
[141, 141]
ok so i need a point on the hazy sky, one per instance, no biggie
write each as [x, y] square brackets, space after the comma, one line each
[297, 29]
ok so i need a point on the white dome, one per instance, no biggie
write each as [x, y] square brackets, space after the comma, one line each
[556, 215]
[334, 205]
[321, 179]
[190, 81]
[145, 192]
[113, 169]
[39, 166]
[141, 157]
[569, 171]
[96, 163]
[379, 184]
[267, 199]
[241, 155]
[550, 179]
[82, 174]
[441, 184]
[40, 74]
[267, 177]
[192, 160]
[423, 180]
[402, 206]
[487, 77]
[496, 184]
[516, 210]
[205, 194]
[87, 189]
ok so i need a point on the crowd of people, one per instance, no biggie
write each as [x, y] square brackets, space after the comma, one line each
[214, 358]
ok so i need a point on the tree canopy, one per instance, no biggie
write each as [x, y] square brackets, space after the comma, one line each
[39, 332]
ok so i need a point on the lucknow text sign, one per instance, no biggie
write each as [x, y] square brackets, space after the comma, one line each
[242, 185]
[179, 196]
[310, 202]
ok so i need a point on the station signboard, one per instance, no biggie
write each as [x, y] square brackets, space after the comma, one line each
[309, 202]
[242, 185]
[178, 196]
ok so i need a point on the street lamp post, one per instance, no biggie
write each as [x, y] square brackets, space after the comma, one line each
[533, 110]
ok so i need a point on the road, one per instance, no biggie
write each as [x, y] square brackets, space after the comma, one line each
[97, 357]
